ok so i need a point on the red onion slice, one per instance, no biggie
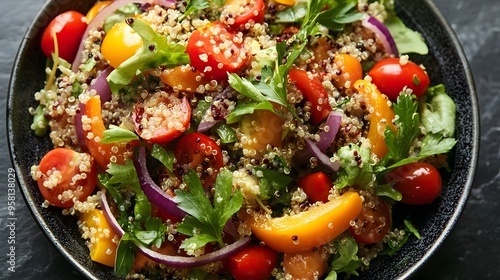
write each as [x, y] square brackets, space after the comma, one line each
[326, 137]
[155, 194]
[322, 158]
[382, 33]
[101, 86]
[103, 14]
[174, 261]
[207, 121]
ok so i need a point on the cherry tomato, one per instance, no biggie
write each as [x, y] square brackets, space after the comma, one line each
[161, 117]
[254, 262]
[66, 175]
[372, 224]
[214, 51]
[103, 153]
[237, 13]
[199, 152]
[69, 28]
[418, 182]
[98, 6]
[307, 265]
[120, 43]
[317, 186]
[313, 91]
[391, 76]
[350, 70]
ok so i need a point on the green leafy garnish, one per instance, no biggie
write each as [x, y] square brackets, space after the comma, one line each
[205, 223]
[153, 234]
[125, 254]
[120, 15]
[356, 168]
[394, 245]
[407, 40]
[438, 111]
[245, 108]
[226, 133]
[347, 260]
[194, 6]
[273, 185]
[155, 51]
[388, 191]
[115, 134]
[167, 158]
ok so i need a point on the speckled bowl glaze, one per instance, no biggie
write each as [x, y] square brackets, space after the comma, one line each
[445, 64]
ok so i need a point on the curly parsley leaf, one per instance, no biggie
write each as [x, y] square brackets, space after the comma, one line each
[347, 260]
[154, 232]
[155, 51]
[205, 223]
[116, 134]
[356, 169]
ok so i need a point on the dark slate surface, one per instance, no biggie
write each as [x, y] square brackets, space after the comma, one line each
[472, 249]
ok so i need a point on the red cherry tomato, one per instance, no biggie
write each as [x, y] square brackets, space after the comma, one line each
[214, 51]
[418, 182]
[317, 186]
[252, 263]
[69, 28]
[66, 175]
[390, 77]
[372, 224]
[199, 152]
[237, 13]
[161, 117]
[313, 91]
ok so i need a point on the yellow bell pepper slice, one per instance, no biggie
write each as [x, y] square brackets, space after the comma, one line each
[286, 2]
[103, 248]
[381, 116]
[309, 229]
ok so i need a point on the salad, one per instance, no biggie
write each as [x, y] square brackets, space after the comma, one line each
[243, 139]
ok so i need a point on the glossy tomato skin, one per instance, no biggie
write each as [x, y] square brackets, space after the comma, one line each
[237, 13]
[391, 76]
[418, 182]
[317, 186]
[313, 91]
[66, 175]
[215, 50]
[161, 118]
[69, 28]
[254, 262]
[201, 153]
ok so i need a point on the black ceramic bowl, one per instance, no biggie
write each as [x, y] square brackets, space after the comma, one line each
[445, 64]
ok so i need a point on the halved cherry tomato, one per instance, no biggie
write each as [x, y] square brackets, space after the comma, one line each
[184, 78]
[161, 117]
[313, 91]
[66, 175]
[418, 182]
[259, 129]
[381, 116]
[214, 51]
[237, 13]
[199, 152]
[391, 76]
[94, 131]
[253, 262]
[308, 229]
[120, 43]
[98, 6]
[372, 224]
[307, 265]
[69, 28]
[350, 70]
[317, 186]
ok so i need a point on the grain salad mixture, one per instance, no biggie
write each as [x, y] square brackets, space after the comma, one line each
[239, 139]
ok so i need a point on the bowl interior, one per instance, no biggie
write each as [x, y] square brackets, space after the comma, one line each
[446, 64]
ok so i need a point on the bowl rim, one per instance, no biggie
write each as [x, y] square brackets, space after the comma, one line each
[451, 221]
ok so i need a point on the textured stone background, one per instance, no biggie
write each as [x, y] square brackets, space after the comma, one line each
[471, 251]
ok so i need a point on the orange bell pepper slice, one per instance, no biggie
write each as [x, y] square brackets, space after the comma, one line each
[309, 229]
[103, 248]
[381, 116]
[103, 153]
